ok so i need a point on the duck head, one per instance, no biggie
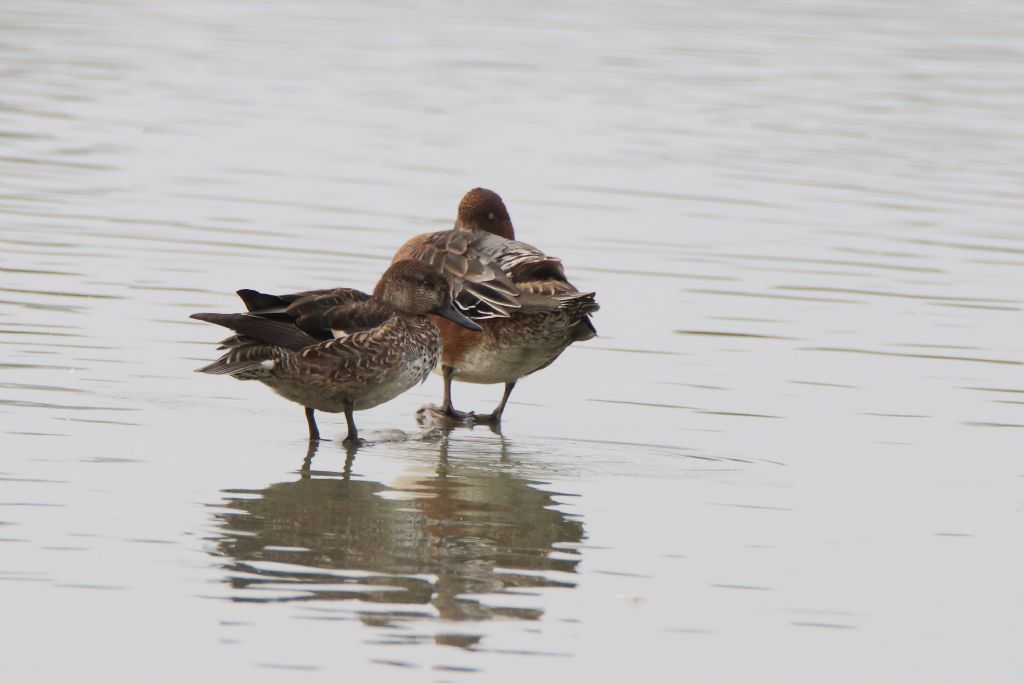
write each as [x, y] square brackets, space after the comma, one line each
[416, 288]
[482, 209]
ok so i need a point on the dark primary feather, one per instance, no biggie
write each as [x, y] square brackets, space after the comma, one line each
[258, 302]
[309, 311]
[304, 310]
[266, 330]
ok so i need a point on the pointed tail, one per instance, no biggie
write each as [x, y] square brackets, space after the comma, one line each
[273, 332]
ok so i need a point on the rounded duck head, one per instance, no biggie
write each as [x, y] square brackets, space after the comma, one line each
[414, 287]
[482, 209]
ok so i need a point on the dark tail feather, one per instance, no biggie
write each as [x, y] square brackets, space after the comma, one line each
[268, 331]
[581, 303]
[584, 330]
[580, 306]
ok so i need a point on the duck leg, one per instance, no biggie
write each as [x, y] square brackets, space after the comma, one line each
[447, 408]
[353, 434]
[307, 464]
[314, 433]
[495, 417]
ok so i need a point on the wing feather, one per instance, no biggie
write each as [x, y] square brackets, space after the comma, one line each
[301, 328]
[479, 287]
[493, 277]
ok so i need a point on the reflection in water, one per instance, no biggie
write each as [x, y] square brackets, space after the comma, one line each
[468, 528]
[804, 222]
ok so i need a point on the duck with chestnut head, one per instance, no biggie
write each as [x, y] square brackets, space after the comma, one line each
[529, 311]
[340, 350]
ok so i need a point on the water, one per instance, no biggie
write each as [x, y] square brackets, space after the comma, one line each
[793, 453]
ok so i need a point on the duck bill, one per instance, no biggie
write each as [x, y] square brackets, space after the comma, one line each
[449, 311]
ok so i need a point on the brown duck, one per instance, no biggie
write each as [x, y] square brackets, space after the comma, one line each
[528, 309]
[340, 350]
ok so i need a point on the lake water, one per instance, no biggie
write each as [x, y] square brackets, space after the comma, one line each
[793, 454]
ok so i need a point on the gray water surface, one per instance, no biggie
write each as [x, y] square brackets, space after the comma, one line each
[793, 454]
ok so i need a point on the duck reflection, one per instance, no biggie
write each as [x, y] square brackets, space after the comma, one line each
[469, 527]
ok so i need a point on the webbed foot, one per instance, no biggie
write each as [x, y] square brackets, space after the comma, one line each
[488, 419]
[444, 417]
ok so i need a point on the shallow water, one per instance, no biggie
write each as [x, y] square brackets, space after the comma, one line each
[793, 453]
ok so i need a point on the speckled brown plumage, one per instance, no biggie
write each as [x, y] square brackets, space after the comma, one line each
[529, 311]
[339, 350]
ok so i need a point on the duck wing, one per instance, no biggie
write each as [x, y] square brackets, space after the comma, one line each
[316, 312]
[356, 316]
[275, 325]
[349, 325]
[357, 357]
[480, 288]
[540, 279]
[525, 263]
[493, 277]
[259, 329]
[302, 309]
[256, 340]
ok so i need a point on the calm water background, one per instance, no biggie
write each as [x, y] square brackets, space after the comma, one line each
[794, 453]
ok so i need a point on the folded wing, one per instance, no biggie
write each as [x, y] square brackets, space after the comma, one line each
[480, 288]
[314, 326]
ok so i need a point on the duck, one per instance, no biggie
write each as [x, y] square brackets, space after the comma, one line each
[527, 308]
[340, 350]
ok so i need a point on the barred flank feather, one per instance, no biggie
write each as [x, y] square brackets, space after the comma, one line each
[247, 360]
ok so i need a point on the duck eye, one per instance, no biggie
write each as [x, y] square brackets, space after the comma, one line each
[490, 216]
